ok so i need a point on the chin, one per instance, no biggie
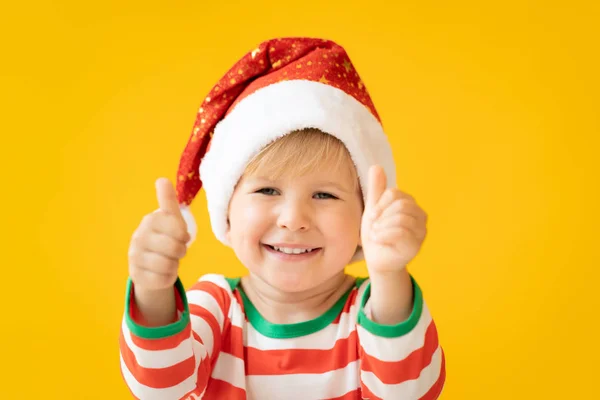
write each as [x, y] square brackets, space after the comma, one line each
[290, 284]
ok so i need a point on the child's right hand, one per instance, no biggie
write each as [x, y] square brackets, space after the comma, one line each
[158, 243]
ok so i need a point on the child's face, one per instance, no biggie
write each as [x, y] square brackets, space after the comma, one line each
[320, 210]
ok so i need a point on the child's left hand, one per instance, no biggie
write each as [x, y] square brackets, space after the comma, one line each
[393, 226]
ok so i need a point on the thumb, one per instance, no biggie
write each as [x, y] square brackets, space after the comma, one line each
[376, 185]
[167, 198]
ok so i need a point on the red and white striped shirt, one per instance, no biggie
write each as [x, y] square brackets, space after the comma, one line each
[221, 348]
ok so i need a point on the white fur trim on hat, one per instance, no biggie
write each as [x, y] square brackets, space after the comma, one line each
[275, 111]
[188, 217]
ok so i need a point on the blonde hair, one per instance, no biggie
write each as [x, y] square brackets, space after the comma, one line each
[301, 152]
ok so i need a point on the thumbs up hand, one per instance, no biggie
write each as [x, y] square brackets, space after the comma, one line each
[393, 226]
[159, 243]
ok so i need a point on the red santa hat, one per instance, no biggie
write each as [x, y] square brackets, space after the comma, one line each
[281, 86]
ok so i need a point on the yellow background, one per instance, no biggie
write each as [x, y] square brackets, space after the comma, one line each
[493, 116]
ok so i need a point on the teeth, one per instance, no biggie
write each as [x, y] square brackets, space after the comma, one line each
[288, 250]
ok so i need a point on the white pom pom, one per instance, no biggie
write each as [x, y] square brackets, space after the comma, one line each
[190, 222]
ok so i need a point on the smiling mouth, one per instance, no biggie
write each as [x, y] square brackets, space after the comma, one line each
[293, 251]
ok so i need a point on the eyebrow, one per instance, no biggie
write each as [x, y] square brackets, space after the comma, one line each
[264, 180]
[334, 184]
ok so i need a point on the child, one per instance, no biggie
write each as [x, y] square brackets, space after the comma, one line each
[296, 176]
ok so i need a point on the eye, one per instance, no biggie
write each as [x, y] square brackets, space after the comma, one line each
[323, 196]
[267, 191]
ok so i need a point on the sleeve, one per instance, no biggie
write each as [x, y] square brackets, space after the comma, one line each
[403, 361]
[175, 361]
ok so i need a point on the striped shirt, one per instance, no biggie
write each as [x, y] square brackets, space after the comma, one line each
[221, 348]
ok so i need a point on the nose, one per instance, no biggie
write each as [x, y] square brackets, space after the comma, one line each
[294, 215]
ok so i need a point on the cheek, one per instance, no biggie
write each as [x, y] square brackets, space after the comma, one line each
[342, 226]
[248, 220]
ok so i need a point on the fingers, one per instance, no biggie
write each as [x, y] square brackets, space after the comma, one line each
[388, 197]
[167, 198]
[150, 269]
[376, 186]
[396, 221]
[402, 206]
[153, 262]
[167, 224]
[159, 242]
[396, 215]
[163, 245]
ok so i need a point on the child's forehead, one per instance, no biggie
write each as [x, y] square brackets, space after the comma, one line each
[302, 154]
[330, 166]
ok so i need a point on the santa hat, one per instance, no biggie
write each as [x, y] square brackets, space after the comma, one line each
[281, 86]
